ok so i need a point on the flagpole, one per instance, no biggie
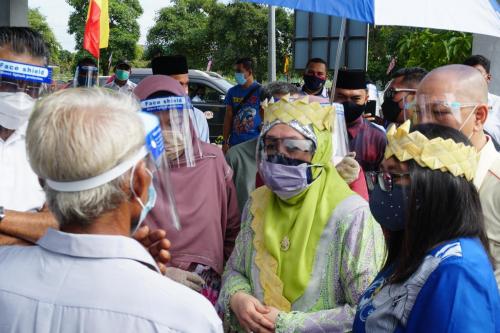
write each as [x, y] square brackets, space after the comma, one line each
[337, 58]
[97, 83]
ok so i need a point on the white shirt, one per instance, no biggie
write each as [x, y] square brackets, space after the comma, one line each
[492, 125]
[201, 125]
[487, 181]
[127, 88]
[94, 283]
[19, 186]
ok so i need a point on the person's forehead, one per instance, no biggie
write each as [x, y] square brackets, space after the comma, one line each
[437, 87]
[7, 54]
[393, 165]
[398, 82]
[350, 92]
[284, 131]
[316, 67]
[182, 78]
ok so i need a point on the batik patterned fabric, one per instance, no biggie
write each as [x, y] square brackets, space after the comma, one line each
[348, 257]
[453, 290]
[368, 141]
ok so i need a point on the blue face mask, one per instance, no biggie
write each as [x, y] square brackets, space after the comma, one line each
[389, 208]
[146, 208]
[240, 78]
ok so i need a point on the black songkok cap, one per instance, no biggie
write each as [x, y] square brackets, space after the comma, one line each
[169, 65]
[351, 79]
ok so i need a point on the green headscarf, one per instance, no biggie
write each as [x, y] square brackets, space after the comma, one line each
[302, 219]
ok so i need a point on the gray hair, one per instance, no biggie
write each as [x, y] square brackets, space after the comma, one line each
[77, 134]
[278, 88]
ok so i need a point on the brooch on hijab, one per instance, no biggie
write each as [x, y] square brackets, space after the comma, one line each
[285, 243]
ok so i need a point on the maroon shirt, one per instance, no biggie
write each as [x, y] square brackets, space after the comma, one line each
[368, 141]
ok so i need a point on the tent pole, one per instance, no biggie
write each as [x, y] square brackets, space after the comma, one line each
[337, 58]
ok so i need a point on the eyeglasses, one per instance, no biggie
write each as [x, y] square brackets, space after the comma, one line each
[385, 180]
[13, 87]
[291, 146]
[391, 92]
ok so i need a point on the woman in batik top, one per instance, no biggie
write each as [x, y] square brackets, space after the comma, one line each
[438, 276]
[308, 245]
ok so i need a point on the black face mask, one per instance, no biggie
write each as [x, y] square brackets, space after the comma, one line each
[313, 83]
[352, 111]
[390, 110]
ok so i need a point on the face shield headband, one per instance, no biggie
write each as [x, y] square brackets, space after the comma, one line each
[154, 151]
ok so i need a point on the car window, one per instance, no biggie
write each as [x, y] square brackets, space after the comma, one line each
[201, 93]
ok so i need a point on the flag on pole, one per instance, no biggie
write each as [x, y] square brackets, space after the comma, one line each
[110, 60]
[96, 34]
[287, 64]
[391, 66]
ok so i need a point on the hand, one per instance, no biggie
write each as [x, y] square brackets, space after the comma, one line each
[251, 313]
[156, 243]
[348, 168]
[272, 316]
[225, 148]
[189, 279]
[369, 117]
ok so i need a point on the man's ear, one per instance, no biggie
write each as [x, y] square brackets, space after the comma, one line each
[141, 180]
[481, 116]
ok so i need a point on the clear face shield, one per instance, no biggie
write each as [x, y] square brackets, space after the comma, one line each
[160, 195]
[339, 136]
[443, 109]
[20, 86]
[181, 147]
[85, 77]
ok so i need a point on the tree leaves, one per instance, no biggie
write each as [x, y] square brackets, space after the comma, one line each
[124, 29]
[206, 29]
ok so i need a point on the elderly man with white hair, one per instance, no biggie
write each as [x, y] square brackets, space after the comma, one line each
[89, 147]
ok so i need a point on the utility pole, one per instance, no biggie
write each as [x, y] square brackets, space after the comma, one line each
[271, 37]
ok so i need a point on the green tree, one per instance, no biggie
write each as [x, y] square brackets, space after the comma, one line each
[124, 30]
[182, 29]
[38, 22]
[412, 47]
[432, 48]
[206, 29]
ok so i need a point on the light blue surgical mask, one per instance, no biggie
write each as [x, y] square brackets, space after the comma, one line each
[122, 74]
[240, 78]
[146, 208]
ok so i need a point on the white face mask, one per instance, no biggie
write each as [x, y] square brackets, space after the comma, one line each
[15, 109]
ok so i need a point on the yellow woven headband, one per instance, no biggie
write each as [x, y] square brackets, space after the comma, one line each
[286, 110]
[435, 154]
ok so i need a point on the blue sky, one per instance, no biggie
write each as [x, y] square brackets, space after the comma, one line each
[58, 11]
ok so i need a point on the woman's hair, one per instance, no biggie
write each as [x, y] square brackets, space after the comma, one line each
[441, 206]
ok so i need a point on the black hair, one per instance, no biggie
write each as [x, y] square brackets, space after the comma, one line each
[247, 63]
[411, 75]
[317, 61]
[277, 88]
[478, 60]
[123, 64]
[161, 93]
[23, 40]
[87, 61]
[442, 207]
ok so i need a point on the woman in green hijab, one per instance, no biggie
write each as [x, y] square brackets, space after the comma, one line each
[308, 245]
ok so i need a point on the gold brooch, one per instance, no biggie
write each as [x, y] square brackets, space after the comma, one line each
[285, 243]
